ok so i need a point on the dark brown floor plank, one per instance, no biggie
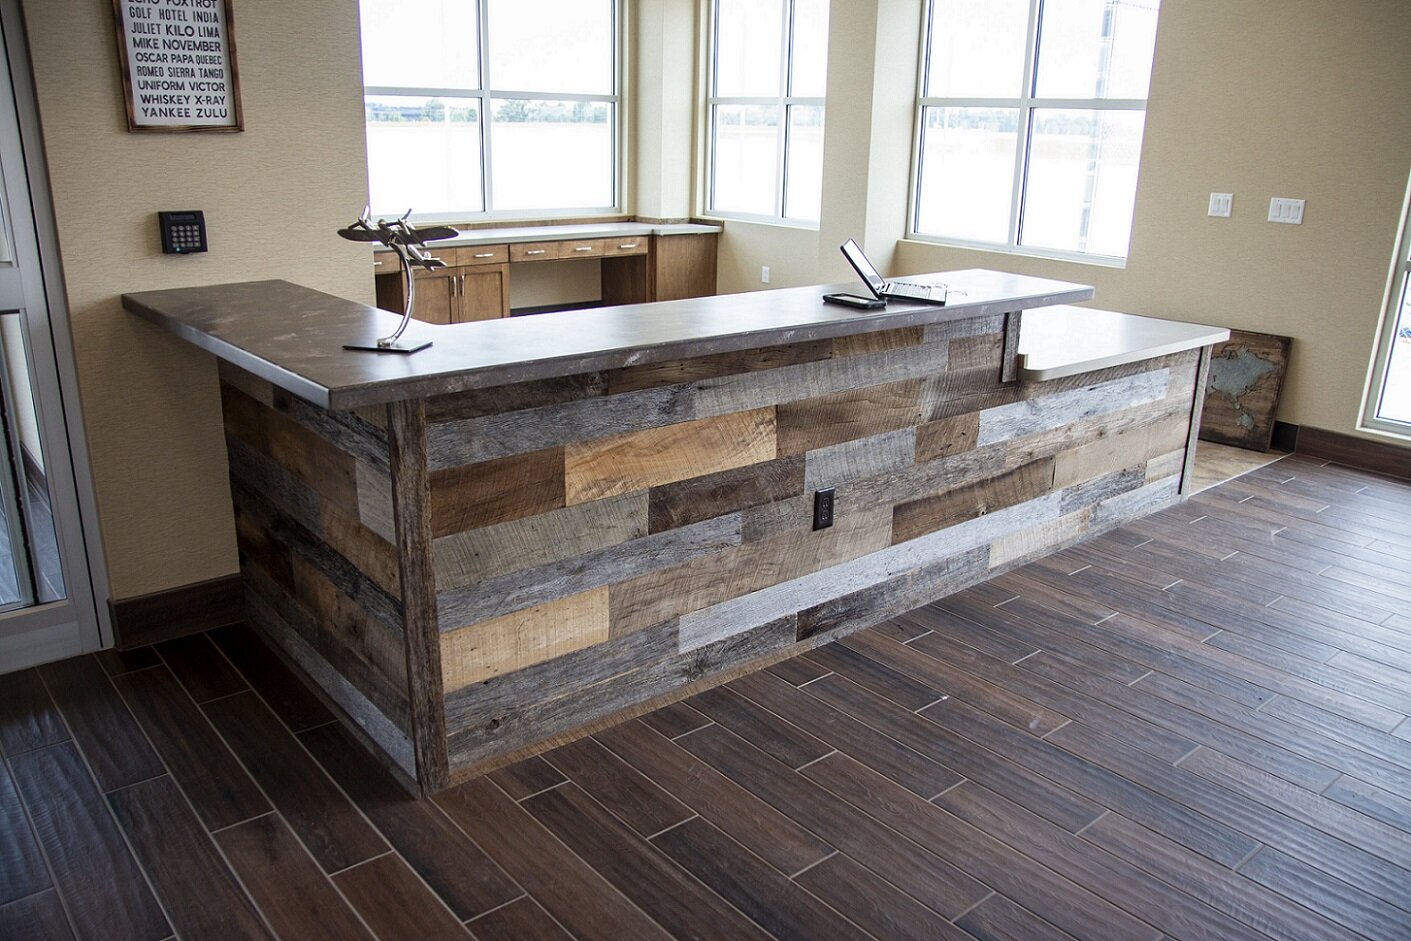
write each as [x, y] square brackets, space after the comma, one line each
[796, 671]
[675, 719]
[971, 759]
[909, 768]
[771, 900]
[782, 740]
[1021, 712]
[1217, 886]
[456, 868]
[201, 668]
[1126, 886]
[395, 904]
[908, 865]
[114, 661]
[198, 891]
[1361, 911]
[327, 823]
[1111, 789]
[999, 919]
[35, 918]
[22, 869]
[219, 788]
[677, 902]
[102, 727]
[527, 777]
[1244, 812]
[875, 905]
[522, 920]
[616, 785]
[869, 674]
[291, 891]
[750, 821]
[955, 629]
[100, 883]
[1010, 692]
[286, 695]
[577, 896]
[1022, 880]
[28, 718]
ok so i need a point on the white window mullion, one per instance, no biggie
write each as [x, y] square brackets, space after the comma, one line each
[1026, 124]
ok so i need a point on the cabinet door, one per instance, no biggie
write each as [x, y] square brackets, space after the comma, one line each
[484, 292]
[436, 298]
[684, 266]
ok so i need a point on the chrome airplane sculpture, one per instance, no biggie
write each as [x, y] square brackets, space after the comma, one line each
[409, 244]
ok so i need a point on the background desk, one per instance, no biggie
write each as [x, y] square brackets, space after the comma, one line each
[641, 262]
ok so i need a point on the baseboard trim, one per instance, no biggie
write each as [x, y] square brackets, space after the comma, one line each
[177, 612]
[1380, 457]
[1285, 437]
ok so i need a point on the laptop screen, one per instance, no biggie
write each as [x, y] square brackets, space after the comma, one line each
[853, 253]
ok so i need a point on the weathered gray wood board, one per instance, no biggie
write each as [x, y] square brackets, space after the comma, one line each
[1242, 394]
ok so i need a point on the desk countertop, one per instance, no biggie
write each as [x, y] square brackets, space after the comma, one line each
[293, 336]
[501, 235]
[1067, 340]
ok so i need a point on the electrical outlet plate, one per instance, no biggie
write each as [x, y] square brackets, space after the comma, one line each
[1287, 211]
[823, 508]
[764, 274]
[1221, 205]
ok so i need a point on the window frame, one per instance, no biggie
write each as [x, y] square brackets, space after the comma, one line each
[1026, 104]
[485, 94]
[1398, 286]
[784, 101]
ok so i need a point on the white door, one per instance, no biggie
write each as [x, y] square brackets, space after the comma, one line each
[47, 596]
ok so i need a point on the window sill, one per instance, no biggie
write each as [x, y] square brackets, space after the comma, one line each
[760, 220]
[1095, 261]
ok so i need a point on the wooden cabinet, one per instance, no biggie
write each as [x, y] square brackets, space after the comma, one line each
[474, 285]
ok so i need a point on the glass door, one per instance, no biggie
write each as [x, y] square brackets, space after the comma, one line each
[47, 608]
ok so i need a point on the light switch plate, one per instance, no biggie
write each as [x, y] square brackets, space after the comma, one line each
[1287, 211]
[1221, 204]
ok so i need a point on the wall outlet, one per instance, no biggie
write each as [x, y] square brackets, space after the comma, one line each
[1221, 204]
[823, 508]
[764, 274]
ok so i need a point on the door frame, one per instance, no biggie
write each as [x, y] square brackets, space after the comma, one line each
[49, 332]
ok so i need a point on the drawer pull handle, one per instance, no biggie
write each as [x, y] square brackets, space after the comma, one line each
[484, 255]
[536, 251]
[584, 248]
[628, 245]
[377, 264]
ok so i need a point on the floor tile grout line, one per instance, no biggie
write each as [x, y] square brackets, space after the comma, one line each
[490, 911]
[679, 823]
[708, 724]
[816, 760]
[992, 893]
[816, 862]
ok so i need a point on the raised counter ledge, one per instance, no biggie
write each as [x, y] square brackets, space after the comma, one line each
[293, 336]
[1067, 341]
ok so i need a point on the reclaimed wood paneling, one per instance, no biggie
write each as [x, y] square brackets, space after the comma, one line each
[496, 491]
[639, 459]
[524, 638]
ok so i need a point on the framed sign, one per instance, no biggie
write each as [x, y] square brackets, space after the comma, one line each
[178, 65]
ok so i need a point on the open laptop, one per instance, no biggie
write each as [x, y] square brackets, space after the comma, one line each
[922, 291]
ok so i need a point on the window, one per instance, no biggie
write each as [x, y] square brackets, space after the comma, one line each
[1030, 123]
[491, 106]
[768, 83]
[1389, 402]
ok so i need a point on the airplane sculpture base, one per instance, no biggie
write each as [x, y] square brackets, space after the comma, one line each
[398, 347]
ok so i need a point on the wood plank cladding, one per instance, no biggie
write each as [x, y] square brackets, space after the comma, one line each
[525, 561]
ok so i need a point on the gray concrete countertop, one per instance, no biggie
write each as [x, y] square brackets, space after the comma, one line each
[293, 336]
[1067, 340]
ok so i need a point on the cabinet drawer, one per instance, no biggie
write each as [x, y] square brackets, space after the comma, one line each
[582, 248]
[634, 245]
[535, 251]
[384, 263]
[479, 255]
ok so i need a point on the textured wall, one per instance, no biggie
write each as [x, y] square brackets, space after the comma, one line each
[272, 197]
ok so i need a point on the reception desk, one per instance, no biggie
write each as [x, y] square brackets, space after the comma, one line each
[543, 524]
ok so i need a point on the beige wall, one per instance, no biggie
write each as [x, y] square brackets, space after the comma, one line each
[1300, 98]
[272, 195]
